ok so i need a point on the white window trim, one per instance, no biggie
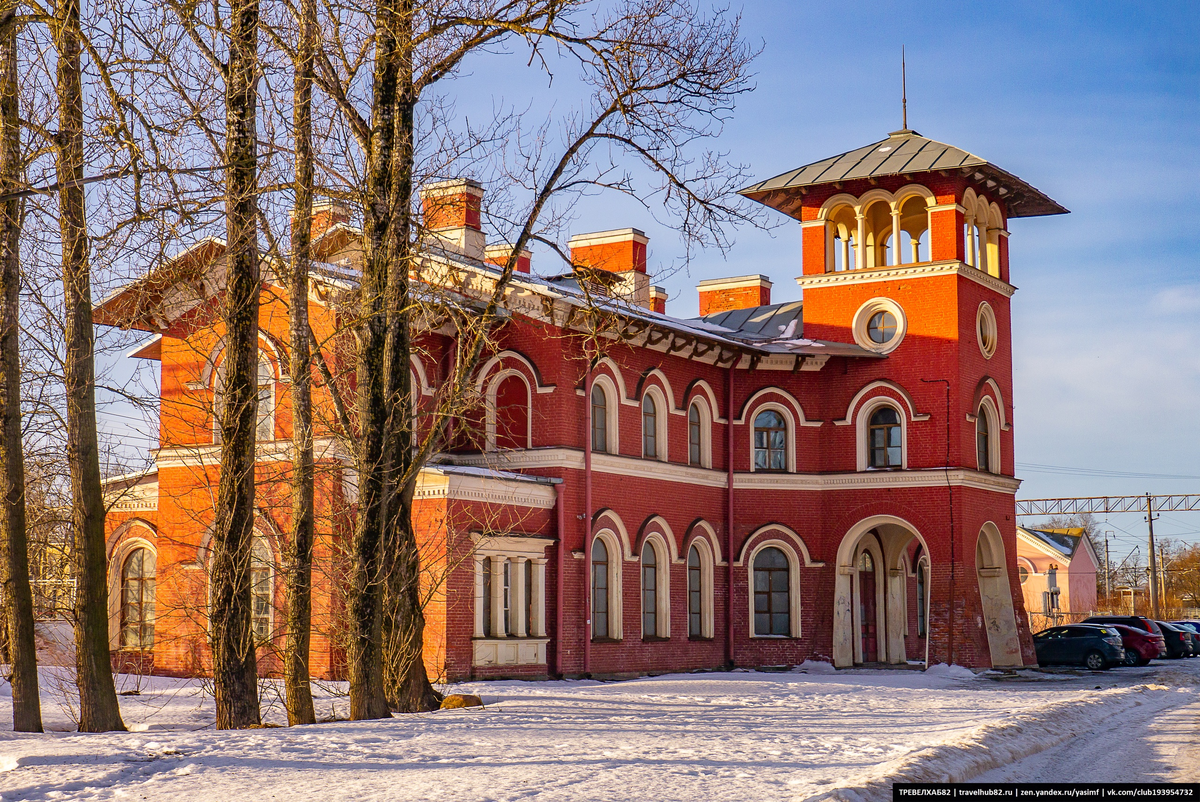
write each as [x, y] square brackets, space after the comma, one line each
[985, 314]
[492, 551]
[272, 576]
[789, 420]
[612, 400]
[707, 617]
[706, 418]
[863, 316]
[661, 410]
[276, 378]
[662, 590]
[794, 565]
[863, 431]
[116, 563]
[987, 409]
[616, 625]
[492, 410]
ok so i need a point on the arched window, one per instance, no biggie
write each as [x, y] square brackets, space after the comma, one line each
[770, 441]
[695, 589]
[600, 623]
[512, 412]
[265, 429]
[921, 596]
[772, 593]
[262, 575]
[599, 419]
[884, 439]
[649, 427]
[650, 627]
[866, 562]
[982, 440]
[137, 600]
[695, 437]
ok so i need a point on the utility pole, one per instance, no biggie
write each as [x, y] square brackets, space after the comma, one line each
[1153, 560]
[1162, 572]
[1107, 569]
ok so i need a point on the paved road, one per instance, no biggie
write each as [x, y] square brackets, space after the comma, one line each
[1155, 742]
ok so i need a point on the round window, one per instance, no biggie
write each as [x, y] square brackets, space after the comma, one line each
[986, 331]
[879, 325]
[1024, 573]
[881, 328]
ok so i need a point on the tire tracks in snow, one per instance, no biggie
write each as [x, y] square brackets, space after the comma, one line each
[1001, 743]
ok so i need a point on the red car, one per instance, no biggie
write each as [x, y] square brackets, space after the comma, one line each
[1140, 646]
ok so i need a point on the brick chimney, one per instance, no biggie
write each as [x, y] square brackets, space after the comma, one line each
[658, 300]
[325, 215]
[498, 255]
[738, 292]
[621, 251]
[452, 214]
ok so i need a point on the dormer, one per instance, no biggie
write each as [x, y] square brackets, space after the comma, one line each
[900, 201]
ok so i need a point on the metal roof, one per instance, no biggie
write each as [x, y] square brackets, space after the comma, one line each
[769, 322]
[903, 153]
[1064, 541]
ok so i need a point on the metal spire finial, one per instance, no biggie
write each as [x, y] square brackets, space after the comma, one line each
[903, 89]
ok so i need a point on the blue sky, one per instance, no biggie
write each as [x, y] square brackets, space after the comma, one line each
[1096, 104]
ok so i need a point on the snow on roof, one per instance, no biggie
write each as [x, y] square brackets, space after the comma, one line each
[489, 473]
[1063, 541]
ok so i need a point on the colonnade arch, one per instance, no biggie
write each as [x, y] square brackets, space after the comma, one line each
[885, 539]
[995, 594]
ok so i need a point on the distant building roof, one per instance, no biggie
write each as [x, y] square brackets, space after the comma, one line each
[905, 152]
[1064, 541]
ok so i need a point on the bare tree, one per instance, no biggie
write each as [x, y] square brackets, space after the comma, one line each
[235, 674]
[299, 579]
[98, 708]
[14, 553]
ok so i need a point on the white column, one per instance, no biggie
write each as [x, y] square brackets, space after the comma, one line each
[897, 257]
[498, 628]
[860, 244]
[481, 564]
[969, 245]
[520, 625]
[916, 249]
[537, 627]
[846, 253]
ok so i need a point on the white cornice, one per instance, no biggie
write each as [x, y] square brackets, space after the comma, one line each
[924, 269]
[487, 489]
[956, 477]
[324, 448]
[572, 459]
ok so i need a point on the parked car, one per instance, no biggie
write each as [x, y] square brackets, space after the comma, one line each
[1193, 631]
[1140, 646]
[1096, 647]
[1139, 621]
[1179, 642]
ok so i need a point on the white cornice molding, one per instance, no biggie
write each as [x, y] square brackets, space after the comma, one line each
[571, 459]
[956, 477]
[873, 275]
[209, 456]
[432, 484]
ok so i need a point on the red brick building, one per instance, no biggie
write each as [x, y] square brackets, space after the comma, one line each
[829, 479]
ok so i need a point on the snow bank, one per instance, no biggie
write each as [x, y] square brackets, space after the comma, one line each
[953, 672]
[815, 667]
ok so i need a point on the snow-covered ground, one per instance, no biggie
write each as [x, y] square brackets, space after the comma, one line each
[808, 733]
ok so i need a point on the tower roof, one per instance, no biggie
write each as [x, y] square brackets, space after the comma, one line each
[906, 152]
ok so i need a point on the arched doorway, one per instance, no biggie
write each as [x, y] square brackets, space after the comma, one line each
[868, 623]
[870, 612]
[995, 595]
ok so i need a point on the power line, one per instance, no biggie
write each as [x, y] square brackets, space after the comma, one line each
[1065, 470]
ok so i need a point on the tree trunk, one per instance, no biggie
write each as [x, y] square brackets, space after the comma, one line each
[367, 697]
[407, 684]
[299, 582]
[98, 709]
[235, 675]
[14, 554]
